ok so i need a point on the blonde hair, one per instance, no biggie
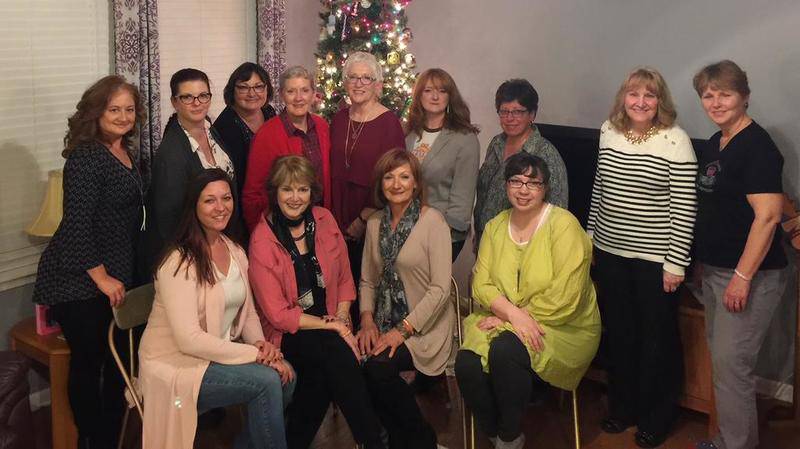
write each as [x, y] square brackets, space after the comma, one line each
[651, 80]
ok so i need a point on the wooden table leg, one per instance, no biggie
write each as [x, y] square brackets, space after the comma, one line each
[65, 435]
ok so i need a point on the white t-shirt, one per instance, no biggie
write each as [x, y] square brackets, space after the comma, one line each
[424, 144]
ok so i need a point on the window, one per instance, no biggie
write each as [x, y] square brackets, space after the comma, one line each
[50, 52]
[214, 36]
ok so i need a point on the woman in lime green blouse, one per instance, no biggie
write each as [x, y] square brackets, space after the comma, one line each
[540, 319]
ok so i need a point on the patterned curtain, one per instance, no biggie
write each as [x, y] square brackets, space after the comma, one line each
[137, 59]
[271, 42]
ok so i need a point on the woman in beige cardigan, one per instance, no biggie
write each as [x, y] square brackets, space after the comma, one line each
[406, 322]
[189, 354]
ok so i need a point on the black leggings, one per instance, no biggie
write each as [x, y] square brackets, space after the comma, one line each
[95, 387]
[327, 370]
[395, 402]
[498, 399]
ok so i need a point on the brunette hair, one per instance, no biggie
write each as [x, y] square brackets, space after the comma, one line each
[190, 237]
[184, 75]
[456, 116]
[83, 127]
[651, 80]
[289, 169]
[390, 161]
[519, 90]
[243, 73]
[520, 162]
[725, 74]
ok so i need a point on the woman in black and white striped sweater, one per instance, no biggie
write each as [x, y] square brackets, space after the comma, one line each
[641, 220]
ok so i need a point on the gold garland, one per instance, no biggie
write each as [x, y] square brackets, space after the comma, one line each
[637, 140]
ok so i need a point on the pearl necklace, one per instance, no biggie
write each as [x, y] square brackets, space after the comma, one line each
[637, 140]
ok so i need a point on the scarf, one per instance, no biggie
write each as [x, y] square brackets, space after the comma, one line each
[391, 305]
[280, 226]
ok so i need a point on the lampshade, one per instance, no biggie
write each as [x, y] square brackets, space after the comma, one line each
[50, 214]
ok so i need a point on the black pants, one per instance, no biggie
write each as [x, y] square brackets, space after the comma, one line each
[395, 402]
[327, 370]
[645, 372]
[355, 251]
[95, 387]
[498, 400]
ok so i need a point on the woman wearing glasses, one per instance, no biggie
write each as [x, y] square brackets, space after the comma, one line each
[517, 103]
[189, 145]
[441, 136]
[247, 97]
[641, 220]
[541, 321]
[360, 134]
[294, 132]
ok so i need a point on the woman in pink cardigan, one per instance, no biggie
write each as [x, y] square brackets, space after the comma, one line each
[302, 282]
[190, 355]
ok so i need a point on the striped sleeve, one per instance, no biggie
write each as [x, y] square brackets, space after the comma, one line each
[682, 205]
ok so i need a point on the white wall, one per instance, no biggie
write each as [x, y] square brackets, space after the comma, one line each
[576, 53]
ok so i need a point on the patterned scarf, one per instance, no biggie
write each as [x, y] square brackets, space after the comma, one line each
[280, 226]
[391, 305]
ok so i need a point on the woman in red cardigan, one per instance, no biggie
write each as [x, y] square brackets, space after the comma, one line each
[301, 279]
[295, 131]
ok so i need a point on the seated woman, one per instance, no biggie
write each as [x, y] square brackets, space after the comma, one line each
[190, 358]
[301, 279]
[541, 322]
[406, 320]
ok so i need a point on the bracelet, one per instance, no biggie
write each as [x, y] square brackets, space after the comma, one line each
[403, 330]
[738, 273]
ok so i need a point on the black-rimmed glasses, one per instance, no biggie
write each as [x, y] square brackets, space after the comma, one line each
[530, 185]
[364, 80]
[515, 113]
[245, 89]
[203, 98]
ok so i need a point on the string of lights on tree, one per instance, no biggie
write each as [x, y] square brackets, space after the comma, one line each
[375, 26]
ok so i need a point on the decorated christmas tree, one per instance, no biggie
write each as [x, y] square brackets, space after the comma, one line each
[374, 26]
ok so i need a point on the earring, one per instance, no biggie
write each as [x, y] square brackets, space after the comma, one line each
[447, 109]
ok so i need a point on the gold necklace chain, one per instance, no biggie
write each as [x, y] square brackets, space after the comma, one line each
[637, 140]
[356, 133]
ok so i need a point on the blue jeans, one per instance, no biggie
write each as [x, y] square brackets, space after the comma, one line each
[257, 386]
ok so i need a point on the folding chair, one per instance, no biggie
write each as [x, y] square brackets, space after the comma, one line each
[133, 312]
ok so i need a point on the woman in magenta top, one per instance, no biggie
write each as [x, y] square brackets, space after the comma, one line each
[360, 134]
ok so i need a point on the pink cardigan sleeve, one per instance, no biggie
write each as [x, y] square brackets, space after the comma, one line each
[178, 292]
[270, 285]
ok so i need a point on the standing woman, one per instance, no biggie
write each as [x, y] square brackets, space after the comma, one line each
[302, 282]
[406, 320]
[247, 96]
[738, 247]
[446, 144]
[203, 346]
[296, 131]
[517, 103]
[89, 263]
[641, 219]
[189, 145]
[360, 134]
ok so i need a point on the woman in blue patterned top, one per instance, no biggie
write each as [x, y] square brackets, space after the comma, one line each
[88, 264]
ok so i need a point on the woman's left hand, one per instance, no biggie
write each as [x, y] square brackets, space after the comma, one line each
[488, 323]
[267, 352]
[671, 281]
[735, 296]
[284, 370]
[392, 339]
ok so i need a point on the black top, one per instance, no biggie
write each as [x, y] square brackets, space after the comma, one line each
[237, 137]
[305, 282]
[102, 216]
[750, 163]
[174, 165]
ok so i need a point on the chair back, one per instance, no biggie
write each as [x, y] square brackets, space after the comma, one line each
[135, 310]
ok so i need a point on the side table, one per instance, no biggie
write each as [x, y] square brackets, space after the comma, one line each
[52, 352]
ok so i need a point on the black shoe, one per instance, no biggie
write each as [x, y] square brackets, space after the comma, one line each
[646, 439]
[613, 425]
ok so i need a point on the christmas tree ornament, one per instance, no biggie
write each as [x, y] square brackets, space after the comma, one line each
[393, 58]
[366, 4]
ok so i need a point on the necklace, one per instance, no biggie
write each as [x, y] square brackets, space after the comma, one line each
[356, 133]
[299, 237]
[637, 140]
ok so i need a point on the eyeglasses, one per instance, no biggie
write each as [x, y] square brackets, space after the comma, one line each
[203, 98]
[530, 185]
[245, 89]
[365, 80]
[516, 113]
